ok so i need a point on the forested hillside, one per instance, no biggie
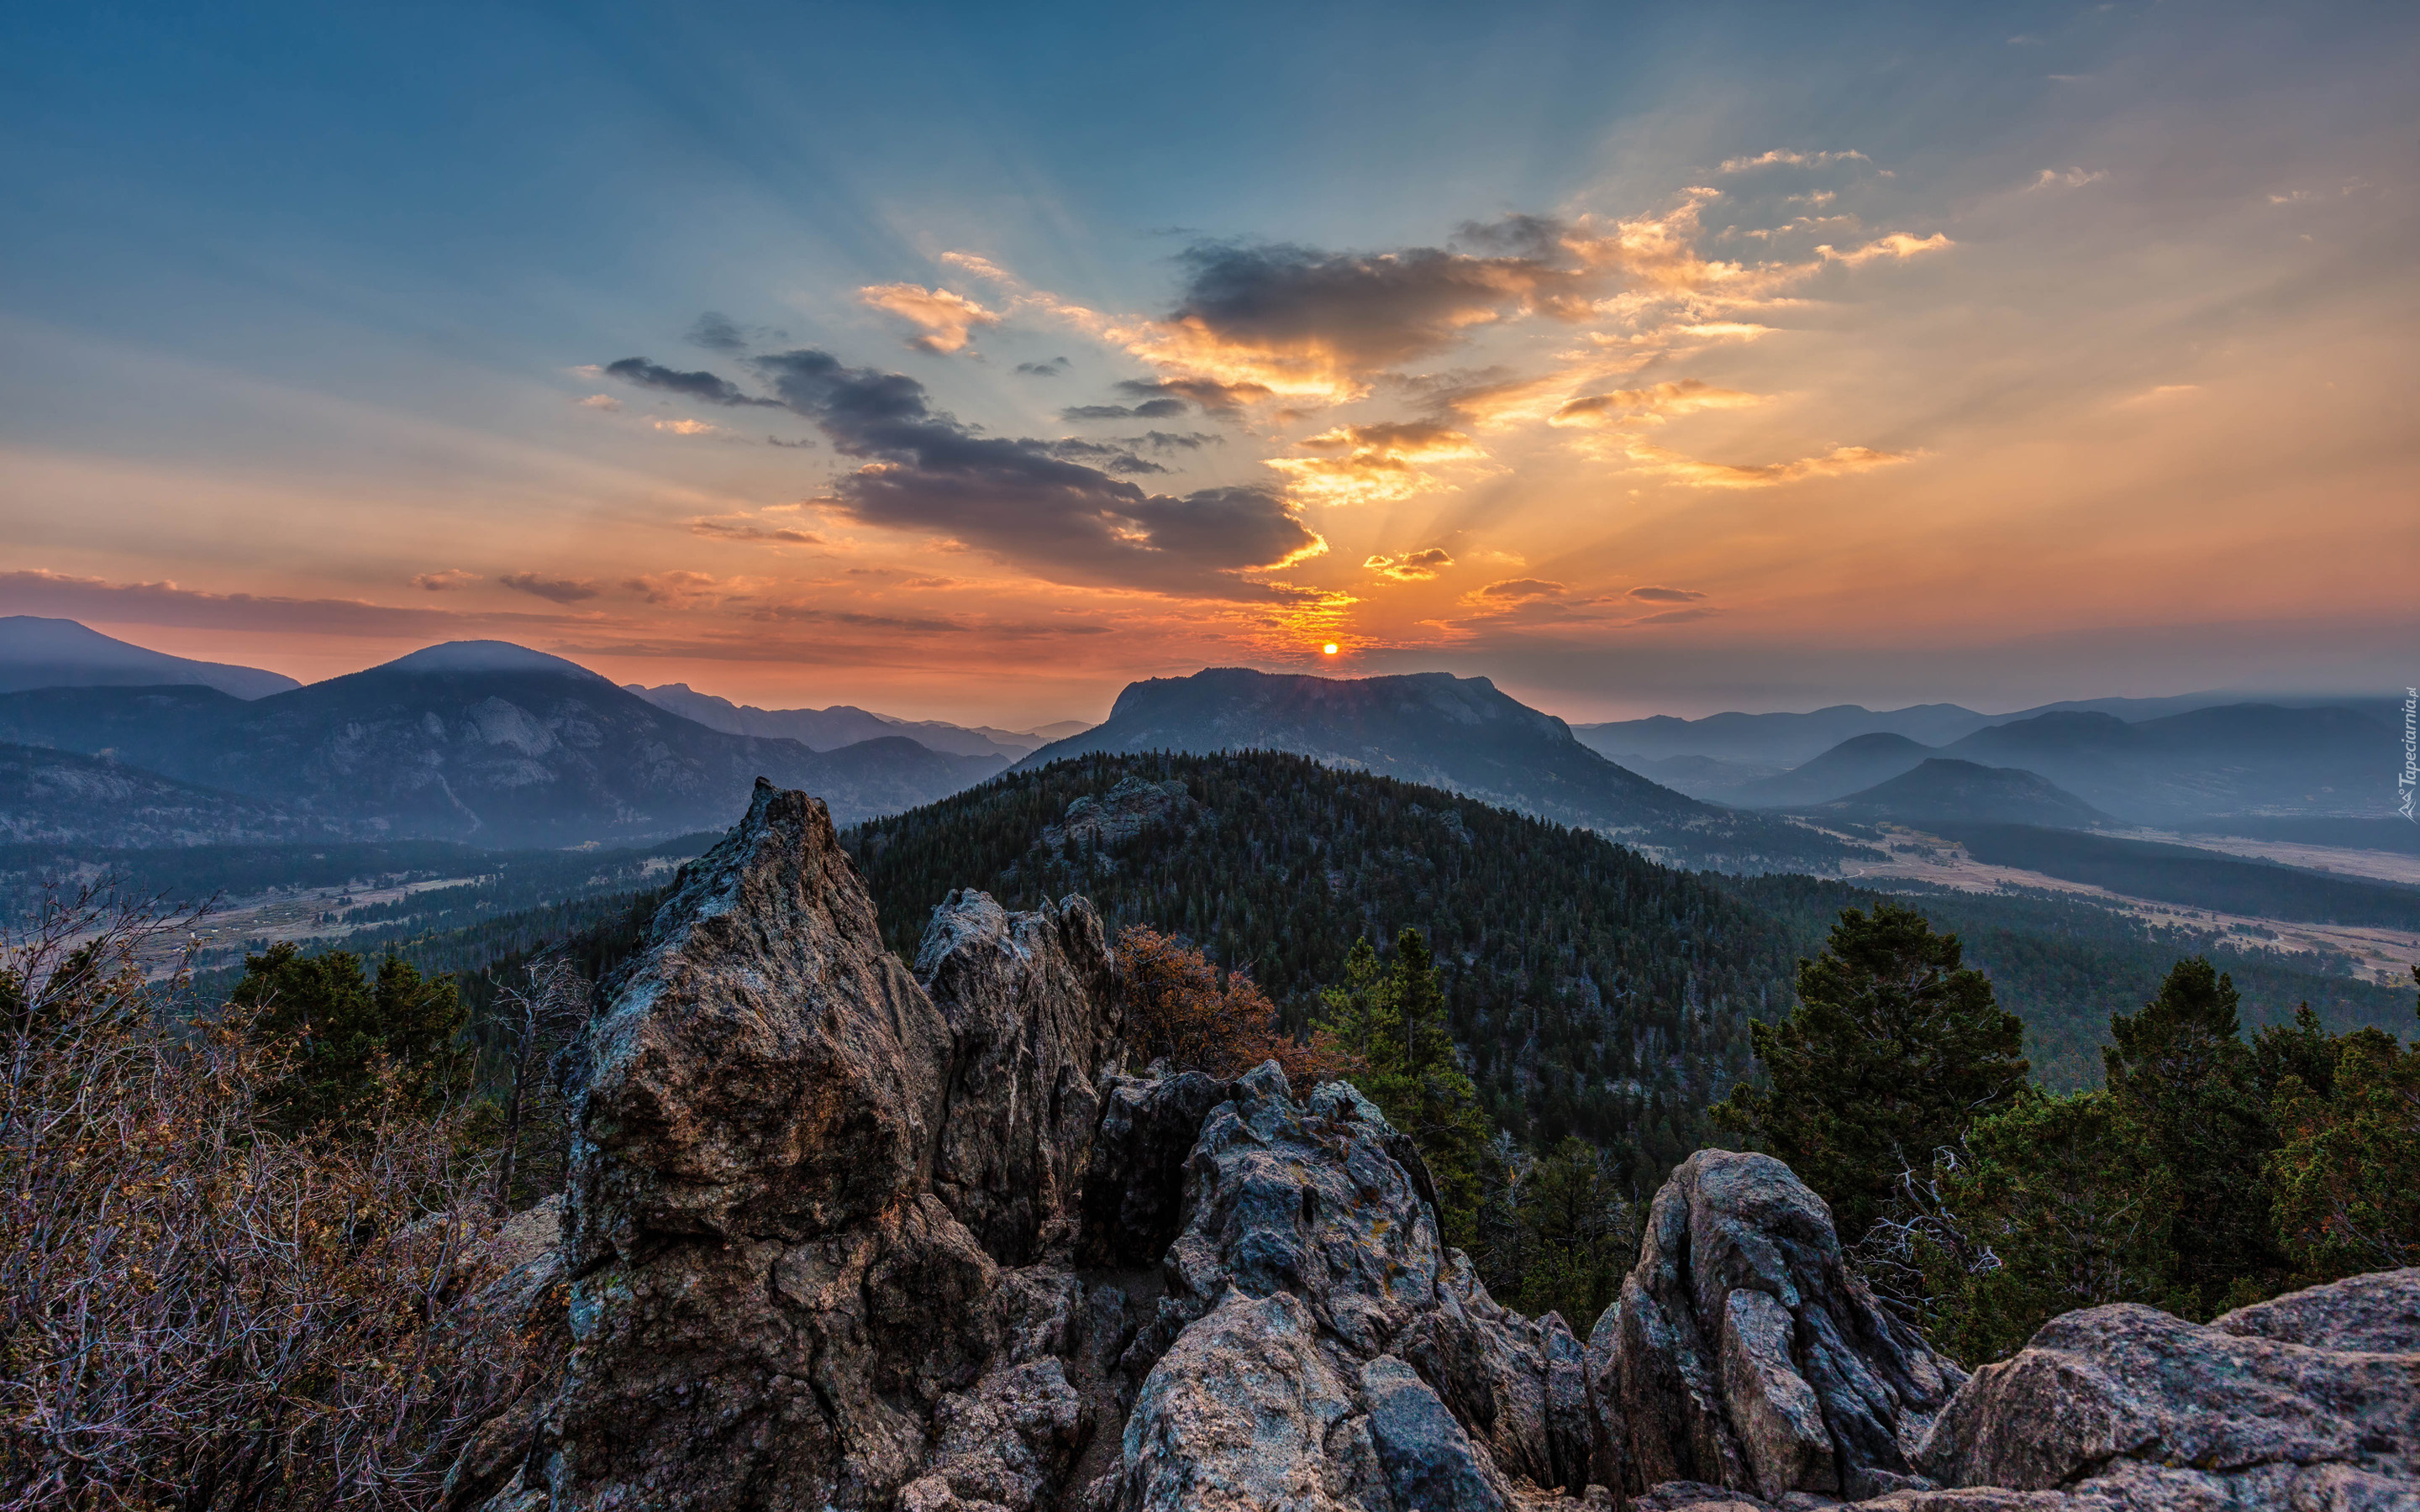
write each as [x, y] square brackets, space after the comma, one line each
[1596, 993]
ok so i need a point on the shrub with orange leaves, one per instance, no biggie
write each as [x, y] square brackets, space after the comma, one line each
[1182, 1008]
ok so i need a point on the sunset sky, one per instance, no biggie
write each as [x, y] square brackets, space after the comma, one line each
[968, 362]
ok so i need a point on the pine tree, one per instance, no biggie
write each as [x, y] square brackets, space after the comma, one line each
[1391, 1018]
[2185, 1084]
[1893, 1051]
[2347, 1172]
[345, 1032]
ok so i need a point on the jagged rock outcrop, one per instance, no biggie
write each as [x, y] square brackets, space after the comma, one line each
[1743, 1354]
[842, 1234]
[800, 1175]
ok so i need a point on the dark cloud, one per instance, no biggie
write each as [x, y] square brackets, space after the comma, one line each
[1155, 410]
[714, 332]
[446, 581]
[1114, 457]
[1019, 498]
[554, 590]
[1412, 566]
[802, 445]
[1216, 399]
[1537, 238]
[1665, 596]
[1169, 441]
[705, 387]
[1677, 616]
[1049, 369]
[1366, 312]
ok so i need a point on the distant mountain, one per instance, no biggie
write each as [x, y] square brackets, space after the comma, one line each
[1712, 777]
[1945, 790]
[1455, 732]
[2183, 768]
[1850, 766]
[476, 741]
[39, 653]
[57, 797]
[1781, 740]
[839, 725]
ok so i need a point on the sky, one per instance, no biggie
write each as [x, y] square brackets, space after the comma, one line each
[972, 362]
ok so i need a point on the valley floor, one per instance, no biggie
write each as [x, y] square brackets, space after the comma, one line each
[2380, 954]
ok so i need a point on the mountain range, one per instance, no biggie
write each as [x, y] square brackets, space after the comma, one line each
[1940, 790]
[2178, 768]
[846, 725]
[479, 741]
[1460, 733]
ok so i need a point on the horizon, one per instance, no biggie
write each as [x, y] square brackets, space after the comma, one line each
[2243, 695]
[1741, 359]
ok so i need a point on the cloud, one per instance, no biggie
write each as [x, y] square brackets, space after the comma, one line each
[1665, 595]
[439, 582]
[1838, 462]
[1374, 464]
[1412, 566]
[1898, 245]
[948, 320]
[705, 387]
[681, 588]
[1112, 455]
[1783, 157]
[1677, 616]
[2070, 179]
[1049, 369]
[690, 427]
[37, 591]
[925, 471]
[1516, 590]
[1302, 323]
[714, 332]
[1650, 405]
[554, 590]
[751, 528]
[1189, 441]
[599, 401]
[802, 445]
[2161, 395]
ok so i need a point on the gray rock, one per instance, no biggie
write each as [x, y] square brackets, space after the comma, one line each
[1238, 1414]
[1743, 1354]
[2130, 1403]
[1429, 1461]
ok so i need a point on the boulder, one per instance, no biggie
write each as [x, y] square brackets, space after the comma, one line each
[1134, 1197]
[2310, 1400]
[1743, 1354]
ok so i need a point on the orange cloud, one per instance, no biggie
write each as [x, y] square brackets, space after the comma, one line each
[1374, 464]
[948, 320]
[438, 583]
[1412, 566]
[1898, 245]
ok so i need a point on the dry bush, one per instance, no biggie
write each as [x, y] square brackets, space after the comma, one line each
[196, 1312]
[1197, 1018]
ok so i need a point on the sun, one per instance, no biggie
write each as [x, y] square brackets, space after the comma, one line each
[1328, 650]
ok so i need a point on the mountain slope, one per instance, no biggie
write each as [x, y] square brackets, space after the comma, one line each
[39, 653]
[479, 742]
[1455, 732]
[57, 797]
[1945, 789]
[829, 729]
